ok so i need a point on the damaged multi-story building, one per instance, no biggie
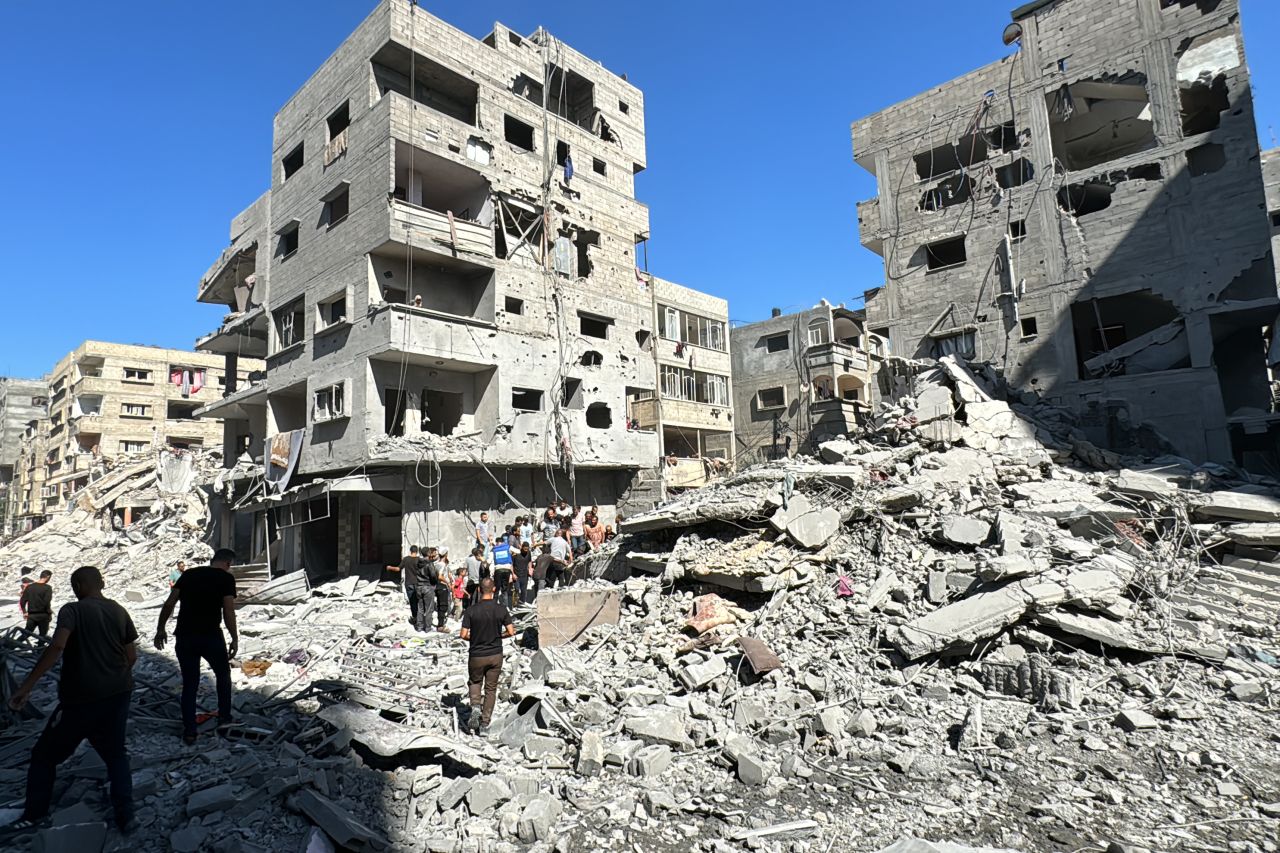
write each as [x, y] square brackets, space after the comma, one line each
[691, 409]
[103, 401]
[1085, 214]
[800, 379]
[21, 402]
[443, 281]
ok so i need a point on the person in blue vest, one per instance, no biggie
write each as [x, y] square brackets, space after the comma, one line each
[502, 571]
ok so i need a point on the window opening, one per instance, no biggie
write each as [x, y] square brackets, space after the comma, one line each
[514, 305]
[526, 400]
[778, 343]
[599, 416]
[292, 162]
[518, 133]
[945, 253]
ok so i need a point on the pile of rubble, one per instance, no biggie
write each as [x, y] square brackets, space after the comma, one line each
[166, 494]
[942, 629]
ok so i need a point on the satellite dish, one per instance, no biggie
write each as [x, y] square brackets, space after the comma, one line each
[1011, 34]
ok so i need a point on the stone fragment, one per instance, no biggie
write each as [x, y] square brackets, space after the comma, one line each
[1135, 719]
[71, 838]
[751, 769]
[797, 505]
[537, 746]
[1247, 691]
[650, 761]
[936, 589]
[934, 403]
[863, 724]
[537, 819]
[659, 725]
[1009, 566]
[487, 793]
[188, 839]
[590, 754]
[883, 587]
[964, 531]
[814, 529]
[339, 824]
[833, 721]
[215, 799]
[453, 792]
[696, 676]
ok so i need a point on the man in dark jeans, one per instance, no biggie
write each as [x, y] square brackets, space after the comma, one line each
[37, 603]
[208, 597]
[409, 571]
[94, 638]
[484, 624]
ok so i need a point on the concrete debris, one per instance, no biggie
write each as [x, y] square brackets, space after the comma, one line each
[938, 621]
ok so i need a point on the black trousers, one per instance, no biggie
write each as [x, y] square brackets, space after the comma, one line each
[103, 722]
[191, 649]
[444, 600]
[39, 623]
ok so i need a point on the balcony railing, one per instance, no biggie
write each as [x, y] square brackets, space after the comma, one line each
[437, 231]
[843, 358]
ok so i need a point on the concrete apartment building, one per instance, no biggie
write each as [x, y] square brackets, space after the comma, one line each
[1271, 186]
[21, 401]
[802, 378]
[443, 281]
[107, 400]
[691, 409]
[1085, 214]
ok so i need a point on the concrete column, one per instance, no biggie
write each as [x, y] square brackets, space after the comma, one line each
[233, 369]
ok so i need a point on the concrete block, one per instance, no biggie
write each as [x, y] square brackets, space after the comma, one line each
[590, 754]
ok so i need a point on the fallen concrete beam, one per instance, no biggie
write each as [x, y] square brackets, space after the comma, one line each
[1240, 506]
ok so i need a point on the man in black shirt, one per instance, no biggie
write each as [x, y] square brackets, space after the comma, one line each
[95, 640]
[37, 603]
[484, 624]
[439, 570]
[521, 563]
[208, 597]
[410, 569]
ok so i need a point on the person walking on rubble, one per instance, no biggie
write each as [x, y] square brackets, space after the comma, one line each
[561, 560]
[208, 598]
[37, 604]
[409, 572]
[484, 626]
[442, 589]
[95, 639]
[521, 564]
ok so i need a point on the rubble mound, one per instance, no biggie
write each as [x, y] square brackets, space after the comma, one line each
[963, 626]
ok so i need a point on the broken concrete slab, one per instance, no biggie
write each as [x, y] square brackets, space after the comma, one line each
[651, 761]
[659, 725]
[1258, 533]
[1239, 506]
[564, 615]
[814, 529]
[339, 824]
[964, 531]
[797, 505]
[388, 739]
[982, 614]
[696, 676]
[934, 403]
[216, 799]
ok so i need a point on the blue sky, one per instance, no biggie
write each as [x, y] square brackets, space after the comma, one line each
[137, 129]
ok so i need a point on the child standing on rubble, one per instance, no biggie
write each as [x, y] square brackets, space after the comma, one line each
[459, 591]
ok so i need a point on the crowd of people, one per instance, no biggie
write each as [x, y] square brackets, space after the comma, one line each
[95, 640]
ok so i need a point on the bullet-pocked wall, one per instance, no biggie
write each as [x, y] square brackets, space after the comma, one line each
[1086, 214]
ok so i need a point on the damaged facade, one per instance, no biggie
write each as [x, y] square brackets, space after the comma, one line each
[691, 408]
[442, 279]
[1083, 214]
[106, 401]
[21, 402]
[801, 378]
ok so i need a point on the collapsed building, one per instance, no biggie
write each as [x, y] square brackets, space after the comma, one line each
[802, 378]
[103, 401]
[1085, 214]
[443, 281]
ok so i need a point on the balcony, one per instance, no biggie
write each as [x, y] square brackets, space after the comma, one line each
[224, 281]
[870, 229]
[95, 386]
[242, 333]
[442, 233]
[836, 358]
[232, 406]
[428, 337]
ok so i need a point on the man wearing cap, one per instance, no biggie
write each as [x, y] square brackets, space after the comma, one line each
[208, 598]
